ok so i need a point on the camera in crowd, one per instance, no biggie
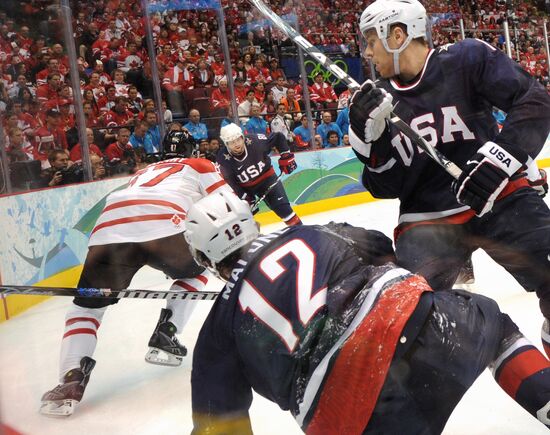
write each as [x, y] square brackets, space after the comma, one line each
[126, 165]
[72, 174]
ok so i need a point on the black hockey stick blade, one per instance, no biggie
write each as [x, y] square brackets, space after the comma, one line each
[108, 293]
[353, 85]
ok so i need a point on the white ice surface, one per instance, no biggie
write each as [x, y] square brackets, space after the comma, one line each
[128, 396]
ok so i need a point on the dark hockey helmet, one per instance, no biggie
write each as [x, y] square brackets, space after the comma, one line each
[179, 144]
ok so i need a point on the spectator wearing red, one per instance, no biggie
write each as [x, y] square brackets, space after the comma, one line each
[47, 94]
[104, 78]
[49, 137]
[119, 82]
[218, 67]
[23, 38]
[63, 59]
[95, 86]
[178, 78]
[119, 115]
[240, 90]
[130, 59]
[67, 119]
[121, 148]
[90, 116]
[107, 101]
[274, 70]
[166, 57]
[25, 121]
[322, 93]
[19, 148]
[259, 92]
[76, 151]
[53, 67]
[259, 73]
[220, 99]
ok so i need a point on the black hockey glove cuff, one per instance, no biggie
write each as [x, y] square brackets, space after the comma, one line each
[486, 174]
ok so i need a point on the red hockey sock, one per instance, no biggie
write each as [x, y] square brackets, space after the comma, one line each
[524, 373]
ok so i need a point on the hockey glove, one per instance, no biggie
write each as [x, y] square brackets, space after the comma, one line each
[540, 184]
[287, 164]
[486, 175]
[369, 109]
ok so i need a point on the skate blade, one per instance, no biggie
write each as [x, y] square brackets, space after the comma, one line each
[161, 358]
[58, 408]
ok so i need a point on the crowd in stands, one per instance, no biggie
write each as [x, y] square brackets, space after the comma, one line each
[116, 76]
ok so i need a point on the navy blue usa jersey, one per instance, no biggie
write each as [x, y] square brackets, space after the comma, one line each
[450, 105]
[282, 319]
[254, 166]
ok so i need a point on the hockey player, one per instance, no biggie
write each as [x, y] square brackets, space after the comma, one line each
[447, 95]
[319, 320]
[246, 166]
[140, 225]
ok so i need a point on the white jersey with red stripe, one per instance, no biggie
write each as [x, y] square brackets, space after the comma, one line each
[155, 203]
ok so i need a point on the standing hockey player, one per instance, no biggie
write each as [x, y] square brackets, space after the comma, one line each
[246, 166]
[140, 225]
[447, 95]
[319, 320]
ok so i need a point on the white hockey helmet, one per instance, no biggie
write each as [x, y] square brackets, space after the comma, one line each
[230, 132]
[218, 225]
[382, 14]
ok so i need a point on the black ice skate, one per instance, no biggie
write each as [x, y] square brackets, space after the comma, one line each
[62, 400]
[164, 347]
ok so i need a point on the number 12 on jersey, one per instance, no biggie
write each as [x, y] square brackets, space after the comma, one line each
[307, 302]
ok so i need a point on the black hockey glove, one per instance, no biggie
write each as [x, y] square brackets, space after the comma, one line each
[485, 176]
[369, 109]
[287, 164]
[540, 184]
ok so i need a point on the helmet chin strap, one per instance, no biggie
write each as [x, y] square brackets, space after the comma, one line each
[395, 52]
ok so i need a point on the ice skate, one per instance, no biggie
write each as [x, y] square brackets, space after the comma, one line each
[164, 347]
[62, 400]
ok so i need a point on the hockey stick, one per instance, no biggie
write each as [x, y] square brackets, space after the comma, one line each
[255, 204]
[317, 55]
[109, 293]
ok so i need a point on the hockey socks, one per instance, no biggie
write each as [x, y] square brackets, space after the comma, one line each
[80, 337]
[524, 373]
[164, 347]
[183, 309]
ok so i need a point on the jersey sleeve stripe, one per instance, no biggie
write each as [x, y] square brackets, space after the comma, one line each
[214, 186]
[151, 217]
[131, 202]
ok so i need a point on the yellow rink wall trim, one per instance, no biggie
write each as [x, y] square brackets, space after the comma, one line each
[16, 304]
[269, 217]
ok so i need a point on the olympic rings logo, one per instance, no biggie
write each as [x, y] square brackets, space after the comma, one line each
[314, 68]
